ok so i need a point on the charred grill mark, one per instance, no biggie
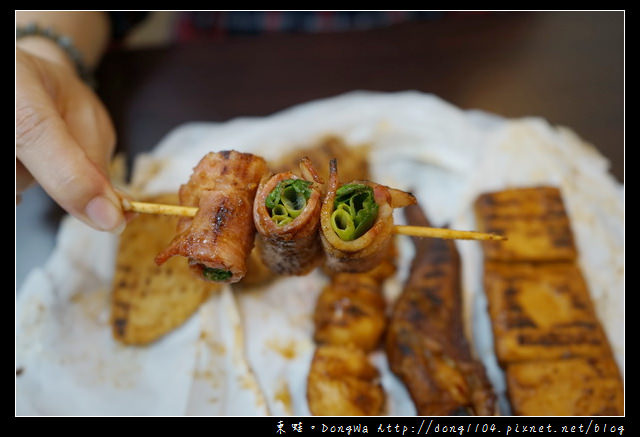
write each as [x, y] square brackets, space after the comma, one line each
[580, 323]
[547, 216]
[579, 304]
[557, 339]
[405, 349]
[124, 268]
[414, 315]
[520, 322]
[433, 294]
[434, 274]
[514, 307]
[219, 219]
[510, 291]
[120, 326]
[350, 308]
[486, 201]
[563, 241]
[125, 306]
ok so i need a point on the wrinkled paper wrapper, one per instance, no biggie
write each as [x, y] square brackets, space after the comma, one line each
[248, 352]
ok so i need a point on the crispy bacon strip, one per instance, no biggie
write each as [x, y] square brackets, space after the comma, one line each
[367, 251]
[294, 248]
[221, 235]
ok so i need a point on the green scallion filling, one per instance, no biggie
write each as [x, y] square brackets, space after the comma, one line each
[355, 211]
[216, 275]
[287, 200]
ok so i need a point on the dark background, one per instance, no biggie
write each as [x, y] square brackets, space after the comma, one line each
[567, 67]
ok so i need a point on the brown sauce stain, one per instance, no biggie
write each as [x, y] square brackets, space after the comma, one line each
[286, 349]
[283, 395]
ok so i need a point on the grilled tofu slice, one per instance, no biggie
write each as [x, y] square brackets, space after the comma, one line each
[534, 220]
[570, 387]
[342, 382]
[541, 311]
[148, 300]
[425, 343]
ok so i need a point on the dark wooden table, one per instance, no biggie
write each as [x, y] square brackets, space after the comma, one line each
[567, 67]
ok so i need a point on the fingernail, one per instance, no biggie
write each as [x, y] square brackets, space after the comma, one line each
[105, 215]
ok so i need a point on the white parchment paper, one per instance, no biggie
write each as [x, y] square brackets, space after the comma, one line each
[248, 352]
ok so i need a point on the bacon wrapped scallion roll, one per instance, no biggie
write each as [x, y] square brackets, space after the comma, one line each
[357, 222]
[286, 213]
[218, 240]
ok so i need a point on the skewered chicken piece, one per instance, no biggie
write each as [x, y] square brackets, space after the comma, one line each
[425, 343]
[349, 321]
[218, 240]
[350, 311]
[342, 382]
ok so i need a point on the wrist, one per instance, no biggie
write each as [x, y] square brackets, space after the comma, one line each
[45, 48]
[48, 44]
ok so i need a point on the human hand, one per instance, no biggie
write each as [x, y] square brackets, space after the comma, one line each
[64, 140]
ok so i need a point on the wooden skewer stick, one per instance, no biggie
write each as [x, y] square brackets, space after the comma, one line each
[159, 208]
[451, 234]
[413, 231]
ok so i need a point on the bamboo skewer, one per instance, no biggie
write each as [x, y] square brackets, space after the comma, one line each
[413, 231]
[451, 234]
[159, 208]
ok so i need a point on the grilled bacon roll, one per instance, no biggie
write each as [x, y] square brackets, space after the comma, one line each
[356, 222]
[286, 213]
[425, 343]
[219, 238]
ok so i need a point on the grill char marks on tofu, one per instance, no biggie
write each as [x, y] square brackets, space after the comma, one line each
[547, 336]
[534, 220]
[541, 311]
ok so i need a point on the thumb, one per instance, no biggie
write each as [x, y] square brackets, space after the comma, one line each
[50, 153]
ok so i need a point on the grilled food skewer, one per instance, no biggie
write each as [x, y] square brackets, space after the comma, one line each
[413, 231]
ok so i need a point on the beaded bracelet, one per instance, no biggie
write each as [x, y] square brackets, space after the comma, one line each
[65, 42]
